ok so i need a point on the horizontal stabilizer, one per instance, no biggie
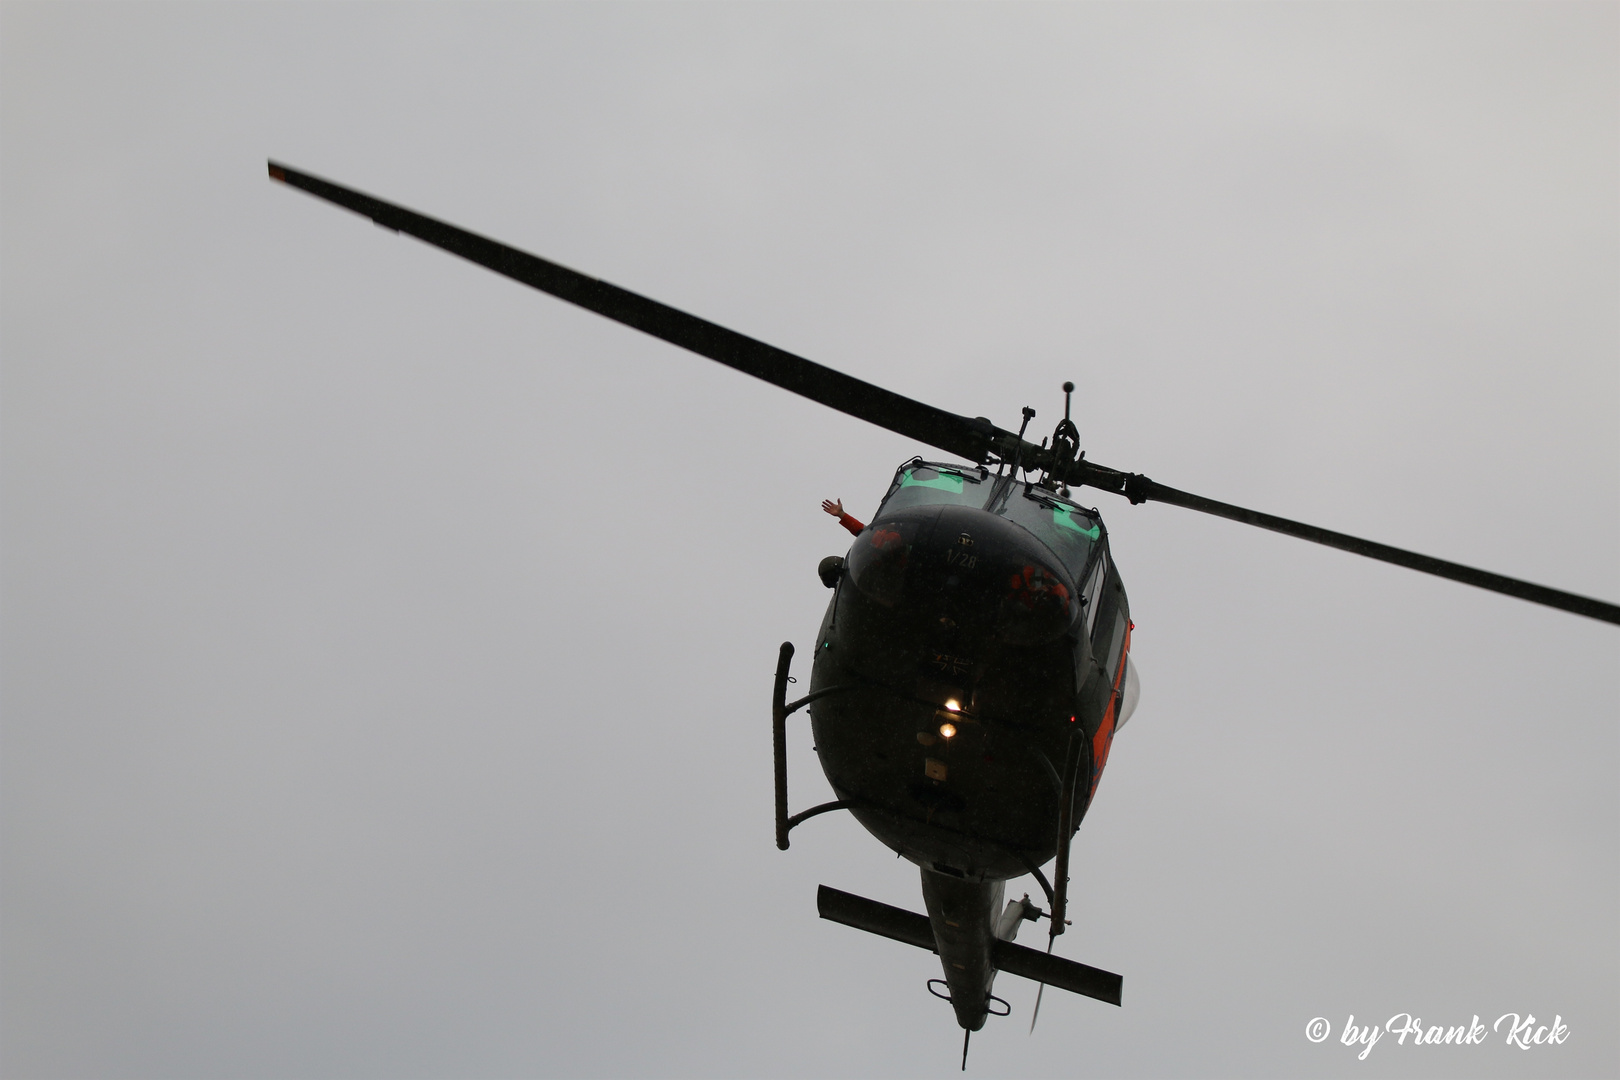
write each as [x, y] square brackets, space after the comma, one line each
[913, 929]
[875, 918]
[1056, 971]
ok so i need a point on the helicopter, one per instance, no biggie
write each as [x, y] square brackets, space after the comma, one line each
[973, 664]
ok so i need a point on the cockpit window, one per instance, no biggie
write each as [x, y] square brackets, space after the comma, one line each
[1069, 531]
[880, 558]
[918, 484]
[943, 479]
[1067, 517]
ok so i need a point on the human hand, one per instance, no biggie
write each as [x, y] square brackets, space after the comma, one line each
[836, 509]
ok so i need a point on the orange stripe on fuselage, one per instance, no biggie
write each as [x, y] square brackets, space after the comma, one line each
[1104, 739]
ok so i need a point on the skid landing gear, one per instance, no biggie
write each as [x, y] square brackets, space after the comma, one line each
[780, 711]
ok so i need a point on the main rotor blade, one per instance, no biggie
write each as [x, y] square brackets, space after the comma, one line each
[974, 439]
[1139, 489]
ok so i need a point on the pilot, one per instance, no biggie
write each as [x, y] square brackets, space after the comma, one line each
[836, 509]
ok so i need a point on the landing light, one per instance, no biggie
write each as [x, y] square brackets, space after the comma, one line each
[952, 705]
[947, 730]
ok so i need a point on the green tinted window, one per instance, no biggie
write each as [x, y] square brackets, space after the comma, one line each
[1069, 531]
[930, 485]
[932, 478]
[1066, 517]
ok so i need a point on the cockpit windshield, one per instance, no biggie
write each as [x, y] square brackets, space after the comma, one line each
[919, 484]
[1068, 530]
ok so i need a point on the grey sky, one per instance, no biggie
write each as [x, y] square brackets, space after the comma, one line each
[387, 648]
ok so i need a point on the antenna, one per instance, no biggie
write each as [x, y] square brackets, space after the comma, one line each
[1029, 414]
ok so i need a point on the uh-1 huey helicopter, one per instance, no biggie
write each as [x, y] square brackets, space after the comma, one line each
[973, 665]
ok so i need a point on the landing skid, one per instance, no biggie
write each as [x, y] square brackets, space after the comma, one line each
[780, 711]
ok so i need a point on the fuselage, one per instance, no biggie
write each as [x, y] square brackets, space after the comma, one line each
[973, 660]
[979, 630]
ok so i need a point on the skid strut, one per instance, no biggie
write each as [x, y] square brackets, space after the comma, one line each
[1072, 761]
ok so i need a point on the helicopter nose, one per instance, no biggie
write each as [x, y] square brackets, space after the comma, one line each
[965, 567]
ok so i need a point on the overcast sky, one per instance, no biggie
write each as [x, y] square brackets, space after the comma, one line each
[387, 648]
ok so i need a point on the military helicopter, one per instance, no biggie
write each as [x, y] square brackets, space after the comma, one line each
[973, 665]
